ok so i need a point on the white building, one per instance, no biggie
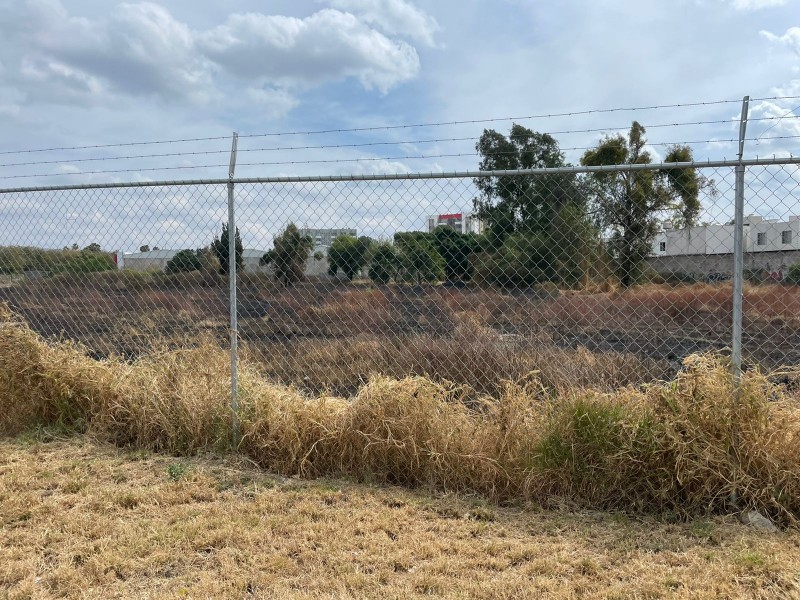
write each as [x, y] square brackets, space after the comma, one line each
[775, 236]
[760, 235]
[461, 222]
[152, 260]
[323, 238]
[156, 260]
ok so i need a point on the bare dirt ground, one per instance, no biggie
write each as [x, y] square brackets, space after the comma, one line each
[83, 520]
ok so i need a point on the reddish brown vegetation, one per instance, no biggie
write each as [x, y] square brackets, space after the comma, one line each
[329, 335]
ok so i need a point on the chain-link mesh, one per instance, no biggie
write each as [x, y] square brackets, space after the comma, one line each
[102, 266]
[599, 279]
[772, 266]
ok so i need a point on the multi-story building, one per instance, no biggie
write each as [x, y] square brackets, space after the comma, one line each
[461, 222]
[323, 238]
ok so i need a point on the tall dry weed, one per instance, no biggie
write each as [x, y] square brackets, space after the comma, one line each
[687, 446]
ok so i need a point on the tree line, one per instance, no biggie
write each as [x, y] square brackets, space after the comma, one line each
[561, 227]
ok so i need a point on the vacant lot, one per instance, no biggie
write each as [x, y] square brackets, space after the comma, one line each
[329, 336]
[84, 520]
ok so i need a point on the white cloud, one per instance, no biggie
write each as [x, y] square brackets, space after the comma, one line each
[790, 39]
[396, 17]
[271, 102]
[749, 5]
[141, 49]
[329, 45]
[375, 167]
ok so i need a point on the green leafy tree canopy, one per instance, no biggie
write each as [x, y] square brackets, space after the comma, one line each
[418, 259]
[514, 203]
[551, 209]
[185, 261]
[348, 254]
[289, 254]
[628, 203]
[456, 249]
[383, 262]
[221, 246]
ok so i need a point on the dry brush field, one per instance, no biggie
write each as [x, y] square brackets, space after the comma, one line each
[328, 336]
[515, 417]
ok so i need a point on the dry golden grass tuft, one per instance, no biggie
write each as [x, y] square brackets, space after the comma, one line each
[682, 447]
[79, 519]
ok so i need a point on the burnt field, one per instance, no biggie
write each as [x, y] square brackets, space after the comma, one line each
[330, 336]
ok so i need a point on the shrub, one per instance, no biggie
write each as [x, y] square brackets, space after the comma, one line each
[184, 261]
[18, 259]
[683, 446]
[383, 263]
[755, 275]
[289, 255]
[348, 254]
[793, 274]
[678, 277]
[522, 261]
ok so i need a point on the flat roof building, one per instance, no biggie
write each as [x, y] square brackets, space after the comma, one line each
[323, 238]
[460, 222]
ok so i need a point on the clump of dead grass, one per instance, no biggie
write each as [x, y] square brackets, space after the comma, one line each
[685, 446]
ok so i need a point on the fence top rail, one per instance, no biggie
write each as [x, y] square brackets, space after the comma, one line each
[752, 162]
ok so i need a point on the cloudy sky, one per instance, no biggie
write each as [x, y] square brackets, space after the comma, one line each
[97, 72]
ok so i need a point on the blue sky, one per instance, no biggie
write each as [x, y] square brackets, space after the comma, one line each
[85, 72]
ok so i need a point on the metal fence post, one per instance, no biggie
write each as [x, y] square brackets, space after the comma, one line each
[233, 300]
[738, 253]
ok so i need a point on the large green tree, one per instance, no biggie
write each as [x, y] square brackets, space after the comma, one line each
[348, 254]
[221, 249]
[289, 254]
[417, 258]
[383, 262]
[628, 203]
[456, 249]
[514, 203]
[549, 208]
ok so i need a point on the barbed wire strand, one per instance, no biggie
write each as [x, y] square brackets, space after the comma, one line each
[320, 161]
[775, 124]
[392, 127]
[386, 143]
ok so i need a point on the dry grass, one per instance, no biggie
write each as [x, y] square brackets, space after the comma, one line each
[127, 313]
[676, 448]
[473, 356]
[80, 519]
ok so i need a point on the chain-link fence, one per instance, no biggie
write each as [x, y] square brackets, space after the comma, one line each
[598, 277]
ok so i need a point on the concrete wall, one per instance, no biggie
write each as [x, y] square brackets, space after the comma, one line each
[776, 263]
[691, 240]
[719, 239]
[133, 263]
